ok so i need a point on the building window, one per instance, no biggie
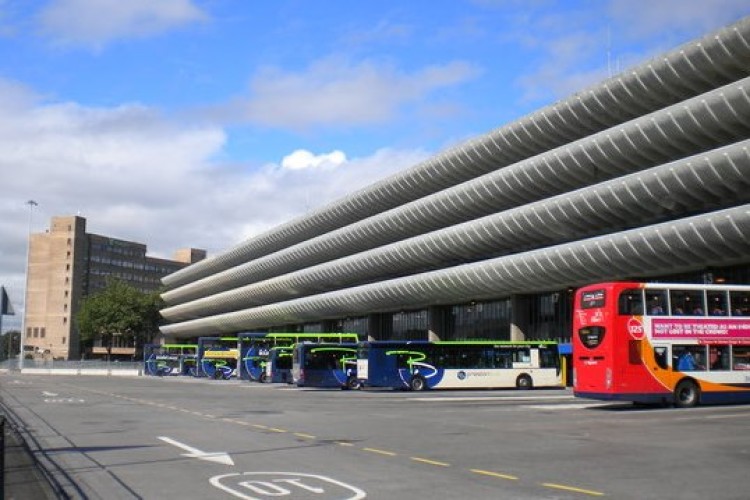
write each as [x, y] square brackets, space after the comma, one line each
[411, 325]
[478, 320]
[42, 332]
[63, 340]
[36, 331]
[28, 332]
[65, 321]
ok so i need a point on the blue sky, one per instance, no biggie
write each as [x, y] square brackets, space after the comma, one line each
[200, 123]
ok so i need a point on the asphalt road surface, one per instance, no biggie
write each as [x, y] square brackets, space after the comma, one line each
[187, 438]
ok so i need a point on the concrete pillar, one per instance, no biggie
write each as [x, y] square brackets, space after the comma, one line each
[437, 323]
[380, 326]
[519, 317]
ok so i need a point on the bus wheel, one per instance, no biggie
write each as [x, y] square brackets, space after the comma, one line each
[352, 382]
[686, 394]
[262, 378]
[524, 382]
[218, 375]
[418, 383]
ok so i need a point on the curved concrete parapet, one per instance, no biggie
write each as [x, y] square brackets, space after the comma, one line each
[717, 238]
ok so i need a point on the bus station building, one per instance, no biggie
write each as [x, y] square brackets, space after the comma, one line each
[644, 176]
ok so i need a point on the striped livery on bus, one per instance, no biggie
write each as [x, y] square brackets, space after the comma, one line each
[662, 343]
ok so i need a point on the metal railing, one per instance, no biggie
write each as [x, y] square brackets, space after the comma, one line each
[87, 366]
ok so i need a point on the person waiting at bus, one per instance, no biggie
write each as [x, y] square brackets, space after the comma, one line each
[656, 308]
[687, 362]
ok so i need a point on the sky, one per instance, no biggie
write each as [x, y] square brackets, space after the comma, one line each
[202, 123]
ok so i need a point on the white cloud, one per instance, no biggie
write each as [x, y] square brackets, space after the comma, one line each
[301, 159]
[94, 23]
[138, 176]
[335, 92]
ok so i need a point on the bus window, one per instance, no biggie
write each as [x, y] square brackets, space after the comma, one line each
[591, 336]
[718, 357]
[548, 358]
[741, 357]
[661, 357]
[740, 301]
[593, 298]
[689, 302]
[688, 358]
[503, 359]
[522, 356]
[631, 302]
[717, 303]
[656, 302]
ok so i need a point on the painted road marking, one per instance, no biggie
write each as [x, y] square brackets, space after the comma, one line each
[494, 474]
[219, 457]
[490, 398]
[571, 488]
[380, 452]
[431, 462]
[305, 436]
[579, 406]
[262, 485]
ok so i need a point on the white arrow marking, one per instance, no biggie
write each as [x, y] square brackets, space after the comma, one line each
[49, 394]
[219, 457]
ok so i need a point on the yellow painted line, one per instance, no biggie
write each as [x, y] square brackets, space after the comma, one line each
[306, 436]
[343, 443]
[431, 462]
[381, 452]
[494, 474]
[260, 426]
[274, 429]
[571, 488]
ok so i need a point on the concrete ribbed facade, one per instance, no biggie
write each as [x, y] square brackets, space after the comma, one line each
[655, 158]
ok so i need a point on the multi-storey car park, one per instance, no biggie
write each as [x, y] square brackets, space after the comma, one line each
[644, 176]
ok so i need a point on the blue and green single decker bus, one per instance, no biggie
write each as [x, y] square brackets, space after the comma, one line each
[478, 364]
[279, 365]
[255, 349]
[169, 359]
[325, 365]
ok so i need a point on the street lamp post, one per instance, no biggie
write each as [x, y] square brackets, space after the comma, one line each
[31, 204]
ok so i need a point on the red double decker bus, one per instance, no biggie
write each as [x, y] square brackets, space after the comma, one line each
[662, 343]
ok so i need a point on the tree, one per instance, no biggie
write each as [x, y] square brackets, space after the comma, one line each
[119, 311]
[10, 344]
